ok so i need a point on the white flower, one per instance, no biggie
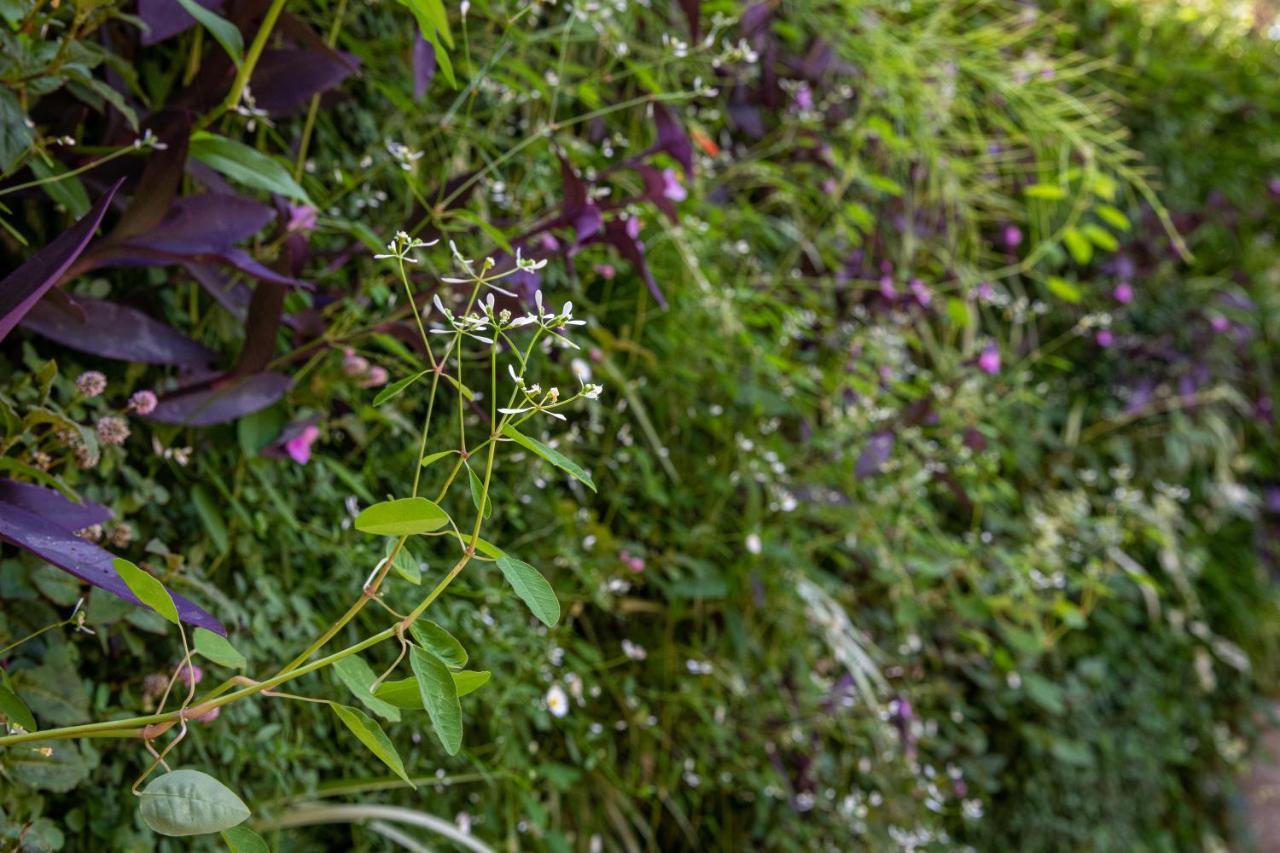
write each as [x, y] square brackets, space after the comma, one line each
[633, 651]
[592, 392]
[753, 543]
[557, 701]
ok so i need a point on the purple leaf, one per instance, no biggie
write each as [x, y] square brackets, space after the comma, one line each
[233, 296]
[424, 66]
[874, 455]
[225, 400]
[285, 80]
[577, 210]
[672, 139]
[161, 177]
[755, 18]
[52, 505]
[658, 189]
[118, 332]
[623, 235]
[36, 532]
[166, 18]
[23, 287]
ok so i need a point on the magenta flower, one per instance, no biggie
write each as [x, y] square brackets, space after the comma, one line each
[921, 292]
[302, 218]
[1012, 236]
[887, 290]
[1123, 293]
[606, 271]
[299, 447]
[1104, 338]
[1220, 324]
[671, 186]
[376, 376]
[989, 360]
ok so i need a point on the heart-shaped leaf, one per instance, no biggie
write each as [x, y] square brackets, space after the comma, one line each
[402, 517]
[189, 802]
[532, 587]
[371, 735]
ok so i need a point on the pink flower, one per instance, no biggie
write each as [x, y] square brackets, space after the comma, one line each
[887, 290]
[143, 402]
[354, 365]
[985, 291]
[671, 186]
[1104, 338]
[112, 430]
[376, 376]
[606, 271]
[989, 360]
[1123, 293]
[190, 674]
[299, 447]
[921, 292]
[1219, 323]
[302, 217]
[91, 383]
[1012, 236]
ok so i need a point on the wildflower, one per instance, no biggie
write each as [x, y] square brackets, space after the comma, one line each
[557, 701]
[1012, 236]
[92, 533]
[91, 383]
[190, 674]
[921, 292]
[633, 651]
[86, 456]
[121, 536]
[142, 402]
[985, 291]
[580, 369]
[354, 365]
[606, 271]
[592, 392]
[672, 189]
[112, 430]
[302, 218]
[754, 544]
[1219, 323]
[1104, 338]
[887, 289]
[376, 376]
[299, 447]
[1123, 293]
[41, 460]
[989, 360]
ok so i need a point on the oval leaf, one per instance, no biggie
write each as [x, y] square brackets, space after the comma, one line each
[371, 735]
[402, 517]
[403, 694]
[555, 457]
[439, 697]
[246, 165]
[440, 643]
[14, 708]
[358, 676]
[217, 649]
[188, 802]
[242, 839]
[149, 590]
[532, 587]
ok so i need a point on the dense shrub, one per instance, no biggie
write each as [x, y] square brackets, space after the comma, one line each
[935, 464]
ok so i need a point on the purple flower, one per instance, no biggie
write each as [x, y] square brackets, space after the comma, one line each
[887, 290]
[671, 186]
[804, 98]
[1012, 236]
[302, 218]
[985, 291]
[1123, 293]
[299, 447]
[989, 360]
[143, 402]
[921, 292]
[1104, 338]
[1219, 323]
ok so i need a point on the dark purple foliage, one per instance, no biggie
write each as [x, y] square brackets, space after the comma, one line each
[672, 139]
[285, 80]
[115, 331]
[424, 67]
[222, 401]
[166, 18]
[42, 521]
[623, 235]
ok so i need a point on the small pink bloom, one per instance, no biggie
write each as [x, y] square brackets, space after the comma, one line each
[989, 360]
[143, 402]
[671, 186]
[302, 217]
[190, 674]
[804, 98]
[1219, 323]
[354, 365]
[606, 271]
[91, 383]
[1123, 293]
[376, 376]
[1012, 236]
[299, 447]
[1104, 338]
[921, 292]
[887, 290]
[985, 291]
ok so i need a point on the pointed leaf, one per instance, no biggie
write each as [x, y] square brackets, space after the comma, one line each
[469, 680]
[405, 564]
[402, 517]
[403, 694]
[149, 590]
[115, 331]
[439, 697]
[396, 387]
[371, 735]
[242, 839]
[188, 802]
[225, 400]
[217, 649]
[555, 457]
[358, 677]
[14, 708]
[439, 642]
[477, 493]
[223, 31]
[532, 587]
[246, 165]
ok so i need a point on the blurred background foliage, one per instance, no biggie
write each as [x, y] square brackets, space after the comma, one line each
[937, 460]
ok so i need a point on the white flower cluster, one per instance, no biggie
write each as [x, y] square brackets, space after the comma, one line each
[401, 245]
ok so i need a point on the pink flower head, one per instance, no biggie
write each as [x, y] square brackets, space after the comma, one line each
[299, 447]
[1012, 236]
[143, 402]
[989, 360]
[985, 291]
[606, 271]
[887, 290]
[91, 383]
[376, 376]
[804, 98]
[921, 292]
[1104, 338]
[1123, 293]
[1219, 323]
[302, 218]
[208, 716]
[190, 674]
[671, 186]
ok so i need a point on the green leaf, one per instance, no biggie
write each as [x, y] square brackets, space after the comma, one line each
[60, 769]
[210, 517]
[15, 136]
[1078, 245]
[1063, 289]
[148, 590]
[402, 517]
[532, 587]
[1047, 192]
[14, 708]
[396, 387]
[477, 493]
[439, 642]
[255, 431]
[223, 31]
[469, 680]
[403, 693]
[432, 458]
[405, 564]
[439, 696]
[64, 189]
[246, 165]
[1101, 237]
[433, 23]
[555, 457]
[1113, 217]
[242, 839]
[188, 802]
[358, 676]
[216, 648]
[371, 735]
